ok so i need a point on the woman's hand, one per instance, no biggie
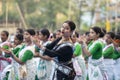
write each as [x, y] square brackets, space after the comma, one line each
[119, 49]
[81, 40]
[45, 57]
[36, 41]
[6, 51]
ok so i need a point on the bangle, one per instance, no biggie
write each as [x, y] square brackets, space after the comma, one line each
[12, 55]
[83, 46]
[43, 48]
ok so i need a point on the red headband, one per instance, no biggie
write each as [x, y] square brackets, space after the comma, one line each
[117, 41]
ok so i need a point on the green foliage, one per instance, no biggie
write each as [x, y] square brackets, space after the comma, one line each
[48, 9]
[34, 21]
[10, 12]
[41, 13]
[13, 16]
[27, 6]
[2, 17]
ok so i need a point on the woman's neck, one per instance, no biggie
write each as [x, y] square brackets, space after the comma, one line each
[95, 39]
[109, 43]
[4, 41]
[29, 43]
[44, 40]
[65, 39]
[68, 39]
[15, 45]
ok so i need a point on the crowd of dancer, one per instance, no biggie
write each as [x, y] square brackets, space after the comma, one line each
[62, 55]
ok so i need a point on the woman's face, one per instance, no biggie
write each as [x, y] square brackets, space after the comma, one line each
[74, 37]
[3, 36]
[58, 34]
[93, 34]
[88, 37]
[66, 32]
[107, 38]
[41, 36]
[116, 44]
[27, 36]
[51, 38]
[16, 41]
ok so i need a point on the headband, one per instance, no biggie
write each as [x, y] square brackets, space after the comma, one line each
[117, 41]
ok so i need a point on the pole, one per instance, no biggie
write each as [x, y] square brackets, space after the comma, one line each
[69, 10]
[80, 12]
[107, 10]
[108, 28]
[22, 18]
[116, 15]
[6, 18]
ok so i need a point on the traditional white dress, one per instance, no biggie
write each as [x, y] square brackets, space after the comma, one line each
[108, 61]
[14, 66]
[45, 68]
[27, 71]
[95, 66]
[4, 63]
[117, 65]
[81, 68]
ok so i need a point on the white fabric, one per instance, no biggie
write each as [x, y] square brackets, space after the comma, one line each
[7, 69]
[110, 45]
[76, 67]
[4, 43]
[82, 64]
[3, 65]
[102, 40]
[118, 60]
[50, 69]
[116, 69]
[109, 68]
[94, 71]
[45, 68]
[14, 71]
[29, 67]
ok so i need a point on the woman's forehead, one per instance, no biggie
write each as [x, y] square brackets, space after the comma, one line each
[26, 32]
[65, 25]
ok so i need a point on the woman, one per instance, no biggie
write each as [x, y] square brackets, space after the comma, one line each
[62, 49]
[103, 32]
[108, 52]
[52, 37]
[77, 55]
[88, 39]
[116, 57]
[17, 45]
[25, 57]
[4, 58]
[58, 34]
[44, 67]
[94, 52]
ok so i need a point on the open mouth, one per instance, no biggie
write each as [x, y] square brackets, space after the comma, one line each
[62, 32]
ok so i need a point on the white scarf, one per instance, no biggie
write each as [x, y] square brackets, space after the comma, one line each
[106, 47]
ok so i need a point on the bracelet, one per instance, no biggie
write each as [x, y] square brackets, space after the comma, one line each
[43, 48]
[12, 55]
[83, 46]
